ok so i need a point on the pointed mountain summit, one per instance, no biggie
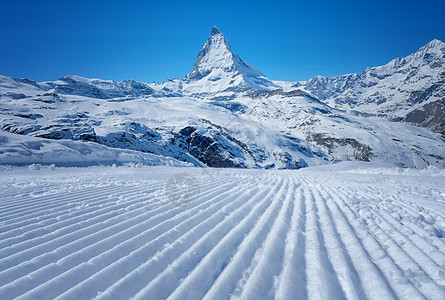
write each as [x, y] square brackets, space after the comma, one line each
[217, 66]
[215, 31]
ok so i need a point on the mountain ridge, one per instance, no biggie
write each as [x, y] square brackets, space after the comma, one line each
[394, 90]
[226, 113]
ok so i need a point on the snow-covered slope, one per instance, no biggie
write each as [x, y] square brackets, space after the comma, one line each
[225, 113]
[196, 131]
[402, 87]
[74, 85]
[324, 88]
[347, 137]
[27, 150]
[157, 233]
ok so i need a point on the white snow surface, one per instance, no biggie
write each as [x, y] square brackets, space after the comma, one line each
[343, 231]
[27, 150]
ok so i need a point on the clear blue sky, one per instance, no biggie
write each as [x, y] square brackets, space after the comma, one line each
[156, 40]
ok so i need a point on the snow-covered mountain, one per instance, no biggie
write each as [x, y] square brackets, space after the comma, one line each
[404, 89]
[218, 69]
[226, 113]
[324, 88]
[217, 73]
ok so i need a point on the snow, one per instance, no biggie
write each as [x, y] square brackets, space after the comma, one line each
[249, 120]
[71, 116]
[217, 68]
[391, 90]
[138, 221]
[343, 231]
[26, 150]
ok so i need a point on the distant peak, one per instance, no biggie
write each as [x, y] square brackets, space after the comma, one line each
[215, 31]
[217, 58]
[435, 48]
[435, 43]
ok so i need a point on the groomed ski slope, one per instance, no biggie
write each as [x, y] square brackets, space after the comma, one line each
[346, 231]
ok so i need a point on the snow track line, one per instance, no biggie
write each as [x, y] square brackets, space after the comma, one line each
[85, 219]
[41, 200]
[428, 265]
[402, 238]
[35, 219]
[99, 281]
[236, 234]
[30, 202]
[320, 276]
[374, 284]
[64, 202]
[292, 281]
[434, 243]
[406, 263]
[406, 255]
[265, 269]
[94, 263]
[77, 223]
[168, 280]
[392, 274]
[216, 261]
[238, 247]
[137, 279]
[92, 239]
[93, 211]
[10, 196]
[54, 219]
[341, 261]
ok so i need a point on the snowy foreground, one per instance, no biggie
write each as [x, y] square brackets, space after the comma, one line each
[346, 231]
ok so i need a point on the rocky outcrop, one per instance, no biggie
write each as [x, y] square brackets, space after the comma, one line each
[360, 152]
[430, 115]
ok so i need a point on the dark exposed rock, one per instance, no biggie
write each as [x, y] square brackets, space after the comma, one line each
[187, 131]
[288, 163]
[231, 105]
[212, 152]
[324, 88]
[362, 152]
[430, 115]
[28, 81]
[231, 138]
[210, 147]
[63, 131]
[16, 128]
[224, 98]
[29, 116]
[422, 95]
[13, 95]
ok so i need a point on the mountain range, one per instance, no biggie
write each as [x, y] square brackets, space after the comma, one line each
[226, 113]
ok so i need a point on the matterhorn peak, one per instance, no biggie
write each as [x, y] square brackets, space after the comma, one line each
[216, 54]
[215, 31]
[216, 61]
